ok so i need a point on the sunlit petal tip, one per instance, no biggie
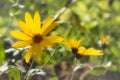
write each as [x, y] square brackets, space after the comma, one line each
[37, 12]
[27, 13]
[20, 21]
[27, 59]
[51, 18]
[20, 44]
[100, 52]
[28, 19]
[21, 24]
[20, 35]
[57, 22]
[13, 32]
[92, 51]
[37, 22]
[14, 45]
[50, 27]
[28, 55]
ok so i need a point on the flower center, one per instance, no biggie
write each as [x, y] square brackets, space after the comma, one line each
[37, 38]
[74, 50]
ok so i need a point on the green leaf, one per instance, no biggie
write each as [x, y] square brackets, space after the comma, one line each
[97, 71]
[94, 59]
[103, 4]
[53, 78]
[116, 5]
[115, 51]
[14, 73]
[80, 8]
[91, 24]
[2, 54]
[12, 1]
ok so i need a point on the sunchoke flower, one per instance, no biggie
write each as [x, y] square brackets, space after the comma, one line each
[35, 35]
[79, 51]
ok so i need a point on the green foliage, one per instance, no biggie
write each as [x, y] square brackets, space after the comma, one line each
[53, 78]
[14, 73]
[115, 51]
[2, 54]
[97, 71]
[94, 59]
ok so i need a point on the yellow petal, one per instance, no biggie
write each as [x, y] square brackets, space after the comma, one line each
[38, 51]
[54, 39]
[107, 41]
[25, 29]
[37, 22]
[48, 41]
[28, 55]
[75, 43]
[46, 24]
[20, 44]
[67, 43]
[47, 44]
[92, 51]
[29, 21]
[81, 50]
[20, 35]
[50, 28]
[71, 43]
[102, 39]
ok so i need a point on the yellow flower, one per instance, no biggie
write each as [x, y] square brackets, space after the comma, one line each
[105, 40]
[35, 35]
[81, 51]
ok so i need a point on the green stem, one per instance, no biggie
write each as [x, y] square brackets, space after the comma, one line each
[74, 65]
[26, 76]
[31, 65]
[9, 24]
[55, 51]
[102, 58]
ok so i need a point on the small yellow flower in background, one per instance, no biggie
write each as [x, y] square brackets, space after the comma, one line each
[104, 40]
[34, 35]
[78, 51]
